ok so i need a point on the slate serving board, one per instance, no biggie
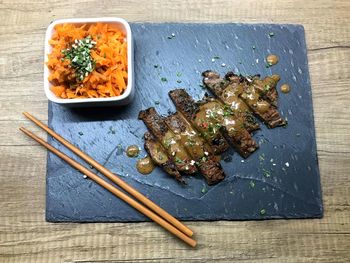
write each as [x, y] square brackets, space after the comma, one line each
[165, 55]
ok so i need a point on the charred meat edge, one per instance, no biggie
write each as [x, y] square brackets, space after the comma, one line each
[217, 85]
[271, 117]
[201, 153]
[186, 105]
[160, 130]
[160, 157]
[240, 139]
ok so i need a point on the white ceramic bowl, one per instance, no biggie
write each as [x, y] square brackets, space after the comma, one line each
[123, 99]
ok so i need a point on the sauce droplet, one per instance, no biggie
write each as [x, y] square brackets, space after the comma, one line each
[145, 165]
[285, 88]
[272, 59]
[132, 150]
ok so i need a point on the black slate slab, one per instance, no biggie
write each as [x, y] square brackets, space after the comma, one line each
[290, 188]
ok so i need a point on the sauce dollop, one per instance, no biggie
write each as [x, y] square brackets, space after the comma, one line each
[145, 165]
[272, 59]
[132, 150]
[285, 88]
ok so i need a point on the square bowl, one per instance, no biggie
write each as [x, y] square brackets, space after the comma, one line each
[120, 100]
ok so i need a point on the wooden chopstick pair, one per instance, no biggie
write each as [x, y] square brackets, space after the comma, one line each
[153, 211]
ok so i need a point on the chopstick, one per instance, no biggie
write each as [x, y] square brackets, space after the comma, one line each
[113, 190]
[128, 188]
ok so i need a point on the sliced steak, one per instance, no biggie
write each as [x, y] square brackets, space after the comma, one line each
[169, 141]
[160, 157]
[194, 114]
[231, 127]
[222, 89]
[267, 88]
[251, 96]
[201, 153]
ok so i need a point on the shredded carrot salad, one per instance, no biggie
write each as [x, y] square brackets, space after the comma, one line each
[88, 61]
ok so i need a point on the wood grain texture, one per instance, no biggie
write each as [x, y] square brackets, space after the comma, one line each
[26, 237]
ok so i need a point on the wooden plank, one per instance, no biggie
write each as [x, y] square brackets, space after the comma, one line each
[26, 237]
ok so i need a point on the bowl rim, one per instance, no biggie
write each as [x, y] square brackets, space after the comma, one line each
[51, 96]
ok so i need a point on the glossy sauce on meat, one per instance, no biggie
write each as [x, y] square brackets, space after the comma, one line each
[211, 118]
[230, 97]
[172, 143]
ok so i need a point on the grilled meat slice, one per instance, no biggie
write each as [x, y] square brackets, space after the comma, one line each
[231, 127]
[196, 116]
[159, 156]
[267, 88]
[251, 96]
[168, 140]
[201, 153]
[222, 89]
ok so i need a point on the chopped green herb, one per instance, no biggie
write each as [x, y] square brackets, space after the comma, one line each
[163, 79]
[156, 66]
[253, 47]
[204, 190]
[119, 149]
[81, 133]
[261, 157]
[111, 130]
[202, 86]
[267, 88]
[298, 134]
[80, 58]
[178, 74]
[252, 184]
[171, 36]
[167, 143]
[268, 65]
[271, 34]
[203, 159]
[262, 211]
[178, 160]
[266, 173]
[157, 102]
[178, 81]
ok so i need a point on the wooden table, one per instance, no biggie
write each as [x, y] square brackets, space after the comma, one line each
[26, 237]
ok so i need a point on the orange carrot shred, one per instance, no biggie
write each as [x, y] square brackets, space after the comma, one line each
[110, 75]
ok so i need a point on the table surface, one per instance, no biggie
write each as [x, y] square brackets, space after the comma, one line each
[26, 237]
